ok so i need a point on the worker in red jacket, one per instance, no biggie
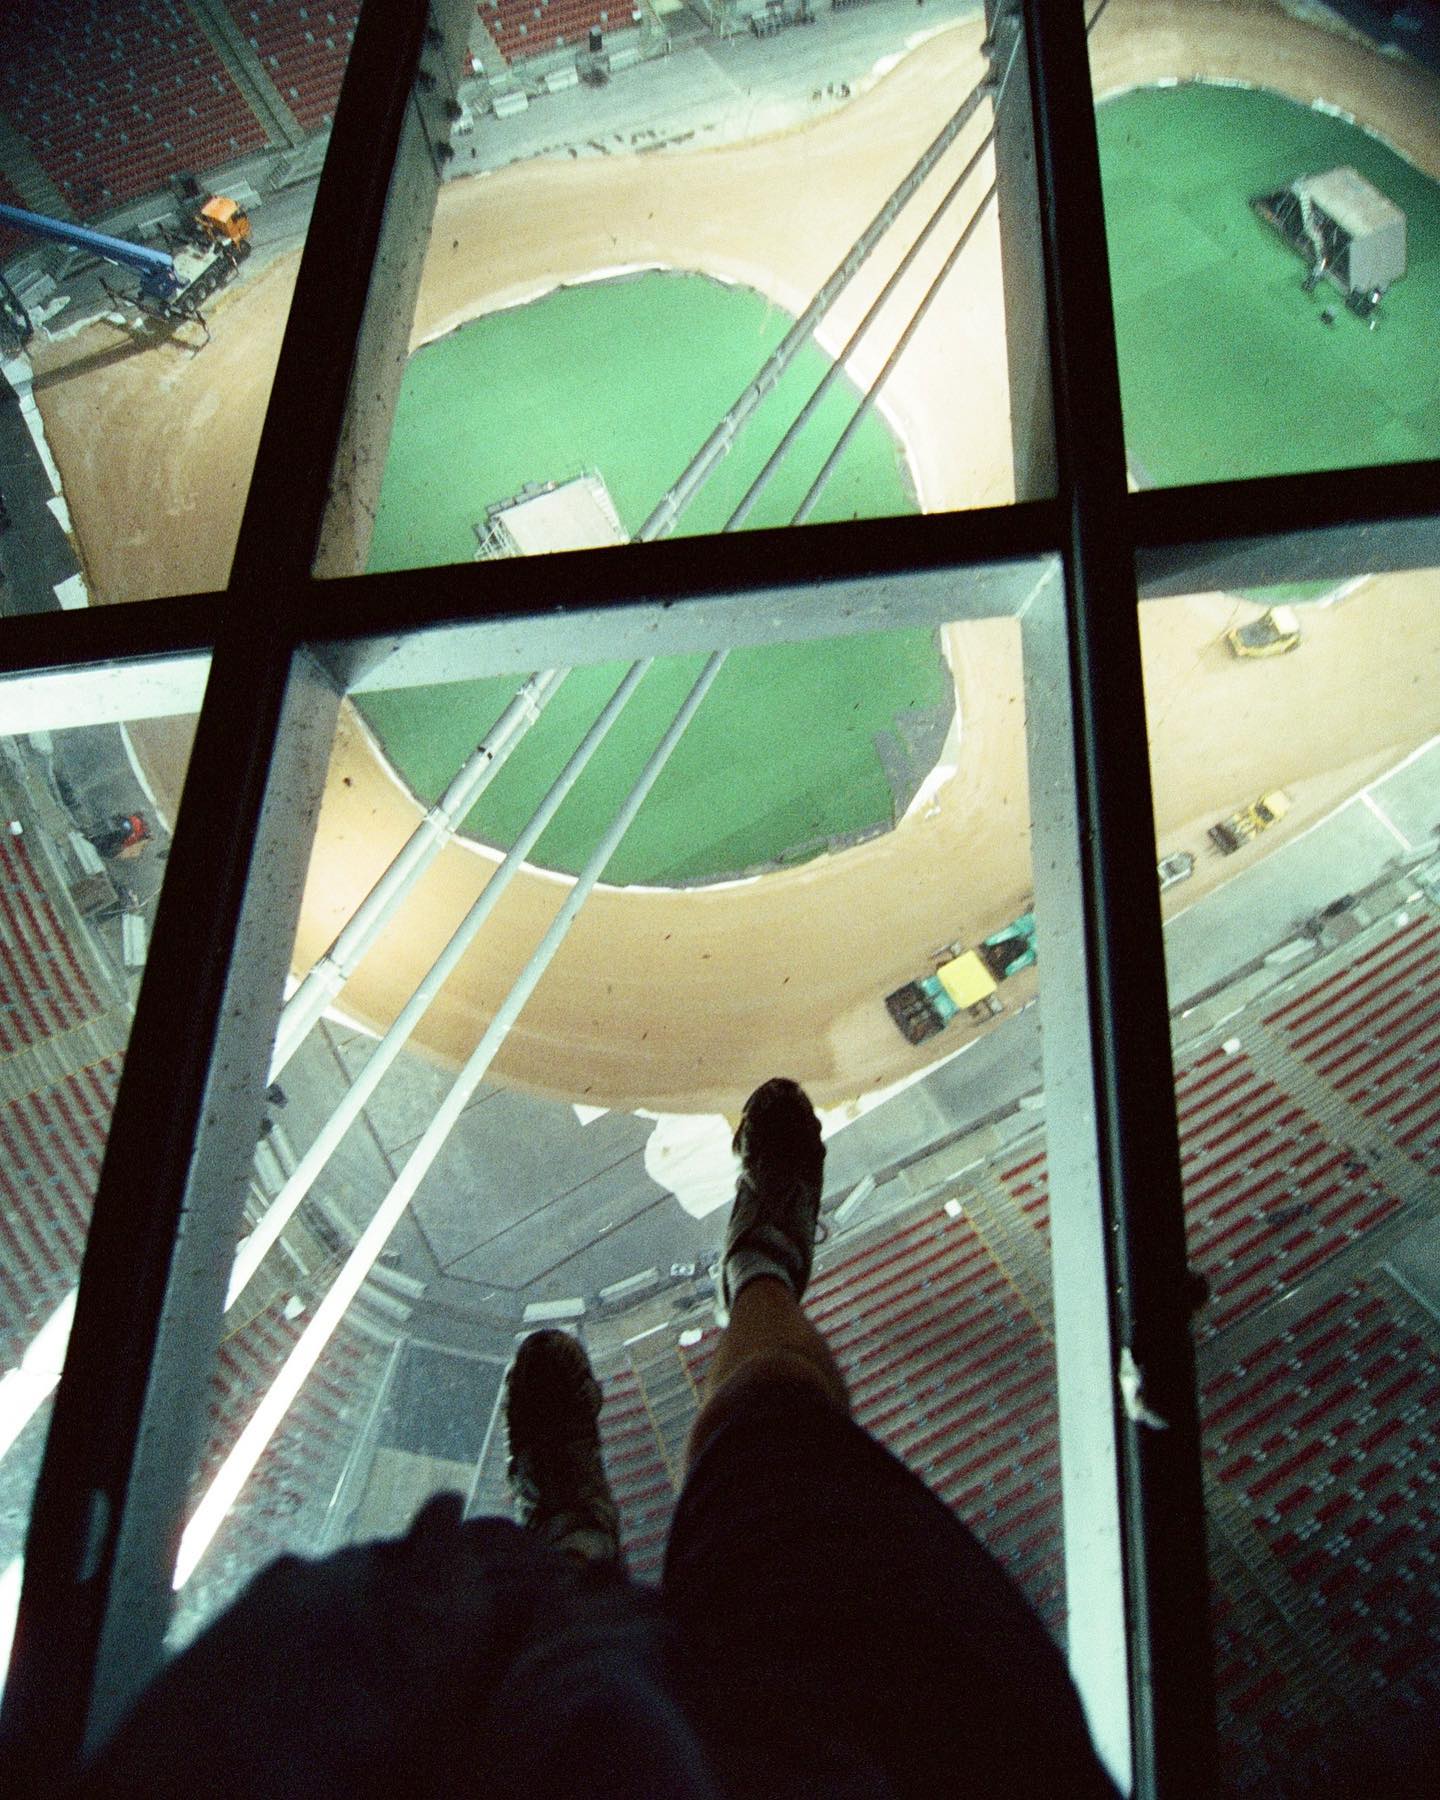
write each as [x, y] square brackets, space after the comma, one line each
[123, 837]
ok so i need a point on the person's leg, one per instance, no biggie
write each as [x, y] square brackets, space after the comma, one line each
[769, 1245]
[556, 1469]
[841, 1631]
[768, 1343]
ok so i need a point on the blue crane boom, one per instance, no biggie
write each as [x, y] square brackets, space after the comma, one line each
[156, 268]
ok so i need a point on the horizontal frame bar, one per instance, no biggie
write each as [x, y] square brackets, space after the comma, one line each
[1332, 526]
[1197, 539]
[574, 585]
[692, 625]
[90, 636]
[164, 687]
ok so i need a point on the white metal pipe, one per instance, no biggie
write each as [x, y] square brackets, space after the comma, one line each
[697, 471]
[224, 1490]
[25, 1388]
[334, 968]
[10, 1583]
[302, 1177]
[872, 393]
[751, 497]
[902, 343]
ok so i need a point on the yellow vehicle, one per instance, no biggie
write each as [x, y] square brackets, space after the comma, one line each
[1272, 634]
[963, 984]
[1250, 821]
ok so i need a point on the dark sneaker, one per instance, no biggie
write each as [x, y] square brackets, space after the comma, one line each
[777, 1201]
[557, 1474]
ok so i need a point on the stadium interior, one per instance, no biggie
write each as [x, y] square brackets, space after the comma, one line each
[329, 1065]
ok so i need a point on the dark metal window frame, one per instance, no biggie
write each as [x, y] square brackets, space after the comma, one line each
[128, 1414]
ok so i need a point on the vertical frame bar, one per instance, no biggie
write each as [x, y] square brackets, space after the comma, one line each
[1083, 1278]
[1022, 264]
[1163, 1518]
[330, 328]
[128, 1416]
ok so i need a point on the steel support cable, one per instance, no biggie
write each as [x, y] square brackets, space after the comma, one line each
[752, 494]
[302, 1178]
[717, 445]
[250, 1445]
[334, 968]
[872, 393]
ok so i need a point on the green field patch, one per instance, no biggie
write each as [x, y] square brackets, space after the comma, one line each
[1228, 368]
[1286, 591]
[627, 378]
[797, 746]
[780, 757]
[1163, 245]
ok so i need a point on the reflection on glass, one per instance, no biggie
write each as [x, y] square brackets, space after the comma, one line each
[1294, 755]
[1270, 218]
[143, 362]
[86, 812]
[766, 913]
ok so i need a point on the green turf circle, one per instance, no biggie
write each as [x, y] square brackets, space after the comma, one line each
[798, 746]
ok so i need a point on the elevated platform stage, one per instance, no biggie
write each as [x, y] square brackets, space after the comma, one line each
[571, 515]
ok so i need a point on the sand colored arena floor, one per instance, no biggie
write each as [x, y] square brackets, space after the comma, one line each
[679, 1001]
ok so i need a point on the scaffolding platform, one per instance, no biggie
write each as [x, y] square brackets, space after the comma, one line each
[554, 515]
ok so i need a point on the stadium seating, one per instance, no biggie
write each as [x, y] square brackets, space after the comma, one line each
[1269, 1194]
[525, 28]
[1269, 1744]
[643, 1483]
[51, 1142]
[56, 1106]
[303, 48]
[53, 1127]
[947, 1368]
[113, 99]
[282, 1506]
[44, 992]
[1327, 1435]
[1372, 1031]
[11, 242]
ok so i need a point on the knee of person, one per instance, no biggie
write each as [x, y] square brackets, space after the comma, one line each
[779, 1368]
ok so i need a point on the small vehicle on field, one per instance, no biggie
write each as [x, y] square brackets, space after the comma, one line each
[1272, 634]
[1230, 834]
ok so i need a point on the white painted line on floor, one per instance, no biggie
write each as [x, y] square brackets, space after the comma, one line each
[1405, 762]
[138, 771]
[1387, 822]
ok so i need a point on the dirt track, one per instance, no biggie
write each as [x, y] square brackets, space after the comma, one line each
[680, 1001]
